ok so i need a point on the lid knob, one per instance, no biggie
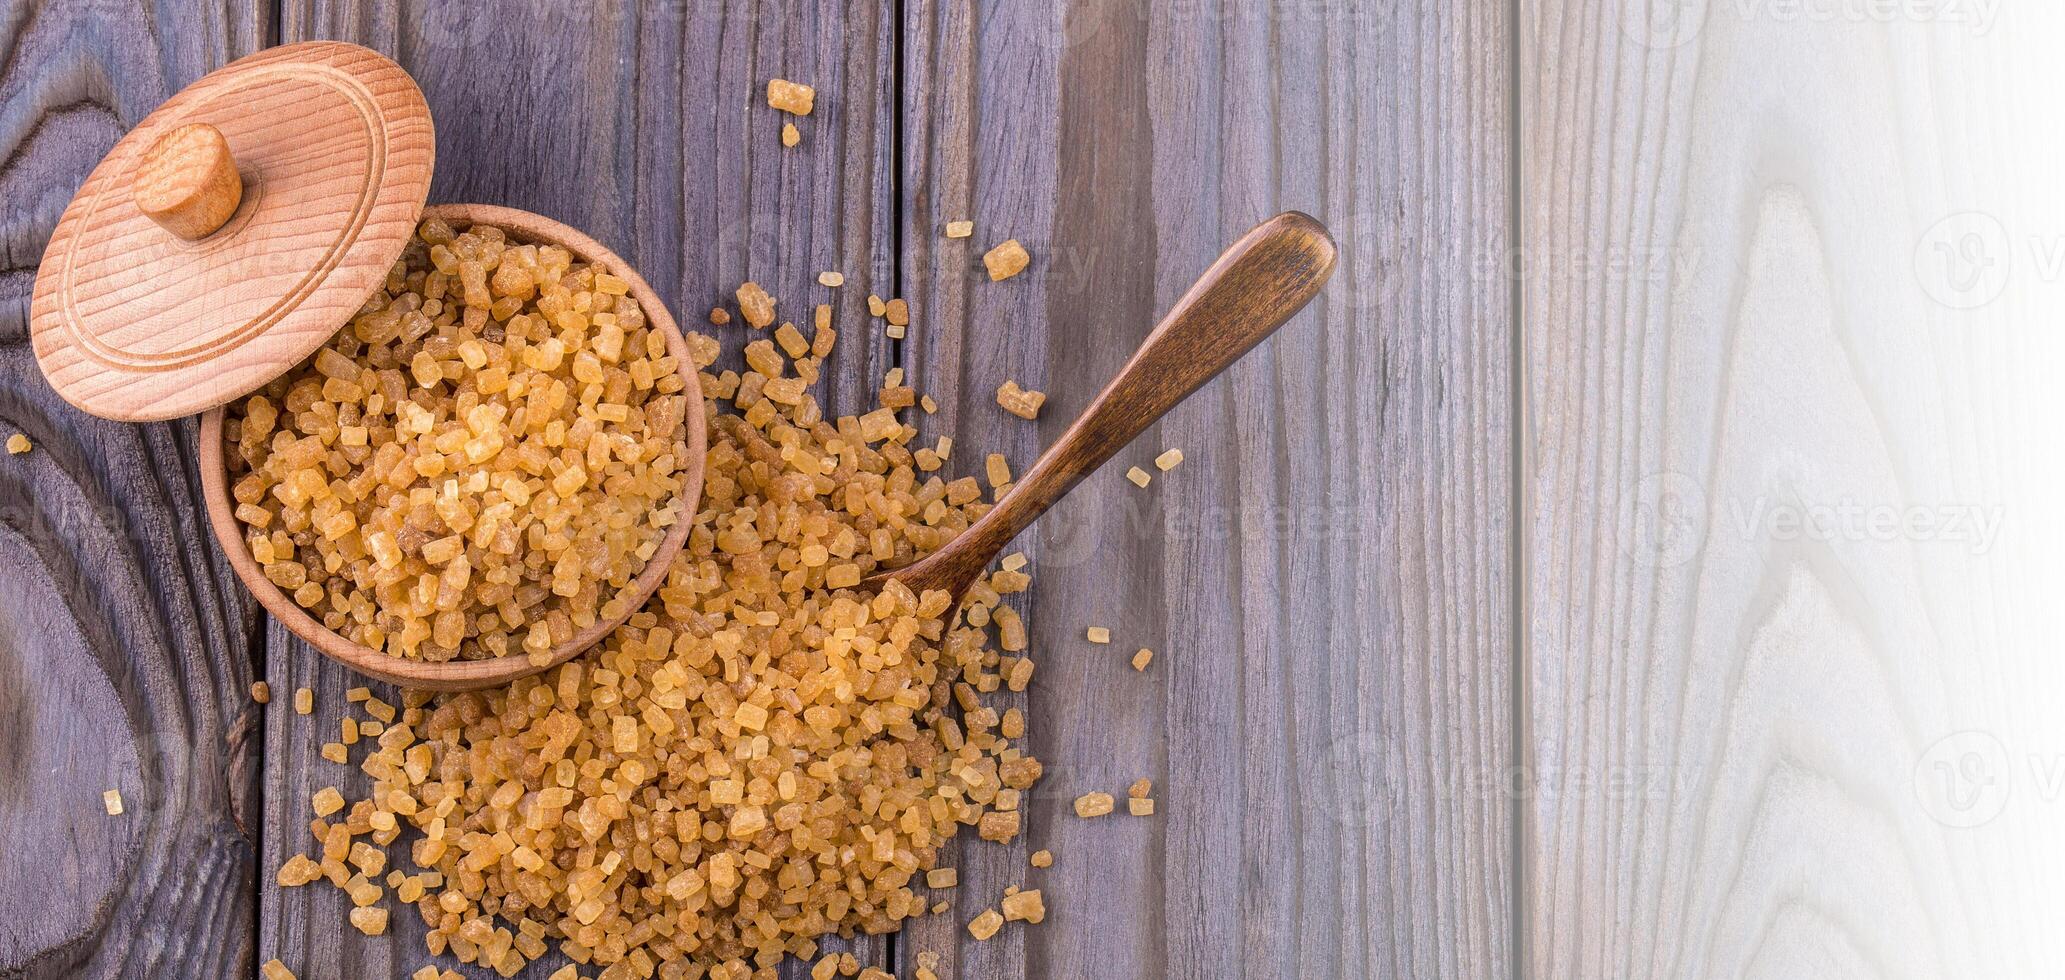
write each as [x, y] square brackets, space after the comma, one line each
[188, 182]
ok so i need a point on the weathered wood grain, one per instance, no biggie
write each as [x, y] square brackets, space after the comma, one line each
[645, 125]
[1324, 579]
[1793, 542]
[125, 648]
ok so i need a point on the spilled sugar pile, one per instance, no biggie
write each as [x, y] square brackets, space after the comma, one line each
[762, 756]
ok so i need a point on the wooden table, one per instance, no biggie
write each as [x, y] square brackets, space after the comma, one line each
[1468, 661]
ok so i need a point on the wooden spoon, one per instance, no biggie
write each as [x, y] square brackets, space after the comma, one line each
[1262, 281]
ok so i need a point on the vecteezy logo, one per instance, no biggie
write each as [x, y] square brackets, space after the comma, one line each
[1661, 24]
[1963, 260]
[749, 241]
[1063, 26]
[1963, 779]
[1364, 278]
[1355, 775]
[1665, 518]
[1068, 543]
[457, 25]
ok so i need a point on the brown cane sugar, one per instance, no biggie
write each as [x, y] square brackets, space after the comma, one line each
[477, 464]
[763, 755]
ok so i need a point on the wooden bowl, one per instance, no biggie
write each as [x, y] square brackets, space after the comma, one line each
[466, 675]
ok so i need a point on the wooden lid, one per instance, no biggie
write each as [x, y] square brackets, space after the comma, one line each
[232, 232]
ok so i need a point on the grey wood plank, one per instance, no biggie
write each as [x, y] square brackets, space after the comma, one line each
[644, 124]
[947, 157]
[1325, 579]
[126, 650]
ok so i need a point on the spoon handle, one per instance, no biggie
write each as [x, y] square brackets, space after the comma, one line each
[1261, 281]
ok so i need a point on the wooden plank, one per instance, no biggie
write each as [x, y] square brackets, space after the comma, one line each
[1793, 549]
[126, 652]
[644, 124]
[1324, 579]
